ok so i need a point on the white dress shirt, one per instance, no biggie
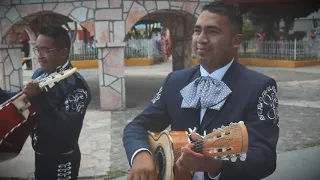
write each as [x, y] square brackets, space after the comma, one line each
[218, 74]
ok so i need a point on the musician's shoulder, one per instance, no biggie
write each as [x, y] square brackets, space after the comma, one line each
[183, 74]
[189, 70]
[257, 75]
[78, 81]
[79, 75]
[255, 80]
[37, 73]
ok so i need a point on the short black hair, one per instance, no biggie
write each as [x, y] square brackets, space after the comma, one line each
[59, 34]
[232, 11]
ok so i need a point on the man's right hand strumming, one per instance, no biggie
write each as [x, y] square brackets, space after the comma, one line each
[143, 167]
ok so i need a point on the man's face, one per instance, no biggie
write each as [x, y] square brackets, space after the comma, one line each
[213, 40]
[48, 55]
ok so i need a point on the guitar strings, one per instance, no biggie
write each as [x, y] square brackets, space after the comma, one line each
[198, 146]
[177, 152]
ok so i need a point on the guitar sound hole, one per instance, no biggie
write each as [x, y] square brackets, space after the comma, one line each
[160, 162]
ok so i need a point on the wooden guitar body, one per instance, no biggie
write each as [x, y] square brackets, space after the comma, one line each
[227, 143]
[14, 128]
[17, 117]
[163, 147]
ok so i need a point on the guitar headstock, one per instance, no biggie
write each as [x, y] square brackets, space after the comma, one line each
[53, 78]
[227, 142]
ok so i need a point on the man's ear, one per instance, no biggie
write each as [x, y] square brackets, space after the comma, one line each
[65, 52]
[237, 40]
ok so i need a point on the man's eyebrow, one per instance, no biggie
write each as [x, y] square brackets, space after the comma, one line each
[208, 27]
[213, 27]
[41, 47]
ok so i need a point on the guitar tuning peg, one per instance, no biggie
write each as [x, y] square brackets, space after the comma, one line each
[216, 157]
[192, 130]
[226, 158]
[204, 133]
[233, 158]
[243, 157]
[58, 68]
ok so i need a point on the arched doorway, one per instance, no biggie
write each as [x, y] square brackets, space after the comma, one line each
[151, 47]
[112, 72]
[109, 20]
[31, 17]
[180, 24]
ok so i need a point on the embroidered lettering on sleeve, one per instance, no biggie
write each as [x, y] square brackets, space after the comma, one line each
[76, 101]
[268, 105]
[157, 96]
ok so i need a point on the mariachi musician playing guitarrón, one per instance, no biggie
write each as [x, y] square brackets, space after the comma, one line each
[60, 112]
[218, 91]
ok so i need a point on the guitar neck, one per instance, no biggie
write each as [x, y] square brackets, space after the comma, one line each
[21, 95]
[45, 83]
[198, 148]
[227, 141]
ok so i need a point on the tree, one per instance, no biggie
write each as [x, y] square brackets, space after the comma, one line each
[137, 34]
[249, 30]
[268, 17]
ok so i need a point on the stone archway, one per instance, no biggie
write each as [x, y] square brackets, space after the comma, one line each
[10, 61]
[111, 54]
[179, 17]
[109, 20]
[180, 24]
[27, 17]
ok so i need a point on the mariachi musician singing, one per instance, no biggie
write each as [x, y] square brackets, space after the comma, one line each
[59, 112]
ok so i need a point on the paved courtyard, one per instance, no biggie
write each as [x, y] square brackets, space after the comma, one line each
[101, 137]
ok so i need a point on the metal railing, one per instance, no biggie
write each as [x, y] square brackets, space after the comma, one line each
[280, 50]
[135, 48]
[83, 51]
[145, 48]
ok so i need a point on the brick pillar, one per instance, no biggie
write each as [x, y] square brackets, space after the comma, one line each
[111, 75]
[11, 67]
[181, 52]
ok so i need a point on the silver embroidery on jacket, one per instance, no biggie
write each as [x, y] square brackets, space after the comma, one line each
[64, 171]
[76, 101]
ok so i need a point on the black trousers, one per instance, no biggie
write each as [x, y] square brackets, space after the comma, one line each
[60, 167]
